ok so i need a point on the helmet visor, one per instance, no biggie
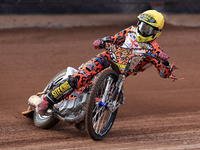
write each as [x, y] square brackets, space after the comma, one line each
[146, 30]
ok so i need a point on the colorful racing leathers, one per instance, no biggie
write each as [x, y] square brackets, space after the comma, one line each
[126, 39]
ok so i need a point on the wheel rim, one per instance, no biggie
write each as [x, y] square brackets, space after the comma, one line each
[101, 112]
[42, 117]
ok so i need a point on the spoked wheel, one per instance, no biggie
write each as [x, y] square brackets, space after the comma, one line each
[99, 115]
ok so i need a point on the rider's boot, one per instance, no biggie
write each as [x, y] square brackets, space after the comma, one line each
[62, 89]
[43, 106]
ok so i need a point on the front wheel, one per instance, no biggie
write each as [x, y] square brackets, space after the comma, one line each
[99, 118]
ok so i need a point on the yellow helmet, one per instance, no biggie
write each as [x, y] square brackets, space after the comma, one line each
[149, 26]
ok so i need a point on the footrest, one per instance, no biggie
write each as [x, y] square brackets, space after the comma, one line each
[28, 113]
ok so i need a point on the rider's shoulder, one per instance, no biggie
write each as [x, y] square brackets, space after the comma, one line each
[131, 29]
[154, 43]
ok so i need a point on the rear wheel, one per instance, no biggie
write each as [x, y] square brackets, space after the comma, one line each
[43, 121]
[99, 117]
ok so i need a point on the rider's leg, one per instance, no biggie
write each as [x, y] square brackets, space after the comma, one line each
[79, 79]
[91, 68]
[64, 87]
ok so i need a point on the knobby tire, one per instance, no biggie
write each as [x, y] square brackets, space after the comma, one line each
[91, 105]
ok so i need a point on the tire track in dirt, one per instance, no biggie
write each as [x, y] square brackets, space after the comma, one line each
[172, 131]
[157, 113]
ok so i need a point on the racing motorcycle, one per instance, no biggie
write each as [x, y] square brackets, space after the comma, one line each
[94, 106]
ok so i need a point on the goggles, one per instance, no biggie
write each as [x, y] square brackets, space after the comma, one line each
[146, 30]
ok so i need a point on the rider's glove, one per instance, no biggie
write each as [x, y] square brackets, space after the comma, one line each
[98, 44]
[164, 57]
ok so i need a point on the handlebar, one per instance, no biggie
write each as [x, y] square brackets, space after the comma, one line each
[145, 52]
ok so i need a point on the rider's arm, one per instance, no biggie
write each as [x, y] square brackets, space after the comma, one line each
[163, 66]
[118, 38]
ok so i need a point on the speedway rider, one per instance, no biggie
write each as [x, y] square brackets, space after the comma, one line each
[149, 27]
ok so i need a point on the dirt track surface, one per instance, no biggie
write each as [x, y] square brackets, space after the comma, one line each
[158, 114]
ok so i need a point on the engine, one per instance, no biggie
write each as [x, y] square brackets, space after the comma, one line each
[73, 110]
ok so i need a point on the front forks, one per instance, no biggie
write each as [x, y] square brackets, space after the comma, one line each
[114, 102]
[107, 89]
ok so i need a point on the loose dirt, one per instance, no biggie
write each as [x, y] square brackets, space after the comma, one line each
[158, 114]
